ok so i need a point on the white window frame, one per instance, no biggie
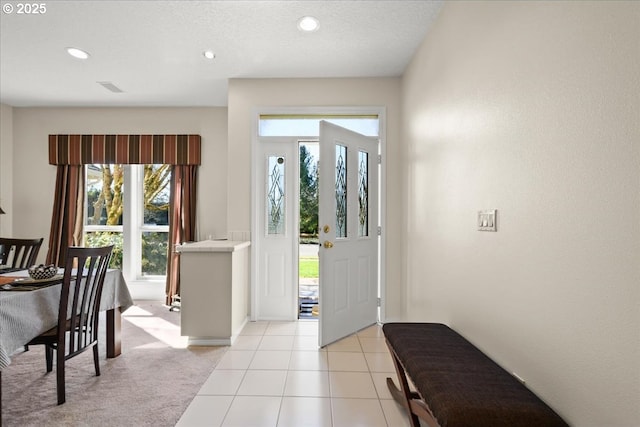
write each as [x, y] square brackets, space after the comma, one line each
[132, 225]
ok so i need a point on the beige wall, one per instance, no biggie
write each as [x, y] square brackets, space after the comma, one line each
[531, 108]
[245, 95]
[34, 178]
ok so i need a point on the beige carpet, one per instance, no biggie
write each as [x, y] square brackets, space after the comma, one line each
[150, 384]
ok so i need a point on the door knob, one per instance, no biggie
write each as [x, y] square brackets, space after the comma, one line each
[328, 244]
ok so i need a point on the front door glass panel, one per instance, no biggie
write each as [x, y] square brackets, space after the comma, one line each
[341, 191]
[363, 194]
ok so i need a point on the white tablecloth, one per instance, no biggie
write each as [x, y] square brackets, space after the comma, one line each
[26, 314]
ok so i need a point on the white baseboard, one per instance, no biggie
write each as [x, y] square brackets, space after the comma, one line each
[211, 341]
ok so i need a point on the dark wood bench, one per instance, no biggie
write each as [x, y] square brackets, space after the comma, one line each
[456, 384]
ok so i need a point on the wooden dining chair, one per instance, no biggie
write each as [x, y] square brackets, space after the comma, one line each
[77, 328]
[19, 253]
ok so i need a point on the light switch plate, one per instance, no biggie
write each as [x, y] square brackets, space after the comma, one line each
[487, 220]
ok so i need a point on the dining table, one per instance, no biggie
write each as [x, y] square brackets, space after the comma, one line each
[30, 307]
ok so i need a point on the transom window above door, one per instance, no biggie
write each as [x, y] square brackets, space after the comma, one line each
[309, 125]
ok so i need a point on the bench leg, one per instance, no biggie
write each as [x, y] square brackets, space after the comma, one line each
[403, 395]
[414, 404]
[398, 395]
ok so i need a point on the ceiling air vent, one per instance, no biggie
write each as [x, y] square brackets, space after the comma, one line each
[110, 86]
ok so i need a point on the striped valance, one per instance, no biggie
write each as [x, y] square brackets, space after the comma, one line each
[124, 149]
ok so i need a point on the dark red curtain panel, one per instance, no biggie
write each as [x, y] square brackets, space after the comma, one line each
[66, 214]
[182, 227]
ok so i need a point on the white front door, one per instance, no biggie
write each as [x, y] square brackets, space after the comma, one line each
[276, 242]
[348, 232]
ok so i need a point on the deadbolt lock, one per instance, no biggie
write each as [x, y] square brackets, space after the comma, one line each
[326, 228]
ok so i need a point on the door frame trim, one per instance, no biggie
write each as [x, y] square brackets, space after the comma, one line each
[380, 111]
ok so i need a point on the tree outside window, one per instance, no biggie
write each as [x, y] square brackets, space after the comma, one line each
[155, 230]
[308, 195]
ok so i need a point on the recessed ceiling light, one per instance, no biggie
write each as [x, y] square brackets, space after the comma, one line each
[209, 54]
[308, 24]
[77, 53]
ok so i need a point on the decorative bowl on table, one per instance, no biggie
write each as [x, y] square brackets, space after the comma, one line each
[41, 272]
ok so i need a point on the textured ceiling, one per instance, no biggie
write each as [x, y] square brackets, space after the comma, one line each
[152, 50]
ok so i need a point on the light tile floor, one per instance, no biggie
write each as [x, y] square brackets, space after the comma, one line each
[275, 375]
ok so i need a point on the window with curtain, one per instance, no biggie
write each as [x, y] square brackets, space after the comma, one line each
[142, 206]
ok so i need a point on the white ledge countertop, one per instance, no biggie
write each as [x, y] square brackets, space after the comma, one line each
[212, 246]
